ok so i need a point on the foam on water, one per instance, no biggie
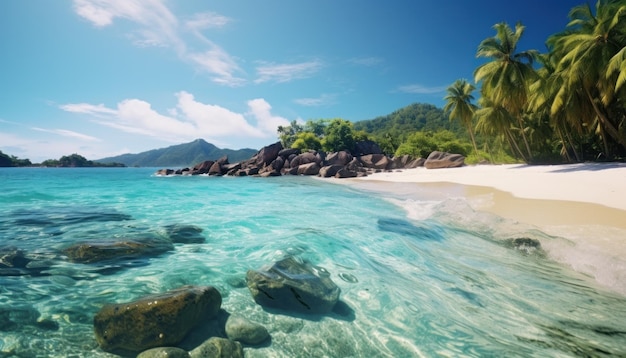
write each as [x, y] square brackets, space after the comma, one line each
[417, 277]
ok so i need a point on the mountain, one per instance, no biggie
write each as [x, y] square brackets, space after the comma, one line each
[412, 118]
[180, 155]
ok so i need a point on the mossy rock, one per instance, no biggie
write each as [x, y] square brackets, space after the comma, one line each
[155, 321]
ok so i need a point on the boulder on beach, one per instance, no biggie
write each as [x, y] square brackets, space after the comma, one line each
[438, 160]
[290, 284]
[155, 321]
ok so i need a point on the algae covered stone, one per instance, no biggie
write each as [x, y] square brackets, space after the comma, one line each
[156, 320]
[293, 285]
[216, 347]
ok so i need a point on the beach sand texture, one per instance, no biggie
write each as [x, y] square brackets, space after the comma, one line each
[585, 204]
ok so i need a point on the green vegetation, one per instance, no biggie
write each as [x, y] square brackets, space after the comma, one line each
[564, 105]
[76, 161]
[331, 135]
[13, 161]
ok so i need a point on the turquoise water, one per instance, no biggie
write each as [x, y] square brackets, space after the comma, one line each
[429, 287]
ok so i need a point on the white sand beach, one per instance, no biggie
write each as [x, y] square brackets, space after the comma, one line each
[583, 203]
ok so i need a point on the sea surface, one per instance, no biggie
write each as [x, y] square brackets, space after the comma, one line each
[418, 278]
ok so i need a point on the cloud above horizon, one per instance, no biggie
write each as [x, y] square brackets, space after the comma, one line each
[421, 89]
[156, 25]
[189, 119]
[286, 72]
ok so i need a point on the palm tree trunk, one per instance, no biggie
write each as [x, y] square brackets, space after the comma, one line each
[471, 133]
[514, 145]
[605, 123]
[521, 127]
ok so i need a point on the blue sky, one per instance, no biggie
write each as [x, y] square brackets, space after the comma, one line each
[107, 77]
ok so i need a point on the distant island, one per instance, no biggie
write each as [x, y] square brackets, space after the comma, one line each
[66, 161]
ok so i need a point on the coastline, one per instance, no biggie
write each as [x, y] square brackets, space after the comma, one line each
[582, 206]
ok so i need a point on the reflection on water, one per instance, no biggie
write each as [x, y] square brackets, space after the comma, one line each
[452, 284]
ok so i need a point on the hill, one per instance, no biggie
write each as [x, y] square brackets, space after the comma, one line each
[412, 118]
[180, 155]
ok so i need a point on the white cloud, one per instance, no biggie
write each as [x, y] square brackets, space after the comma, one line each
[68, 133]
[158, 26]
[323, 100]
[218, 62]
[420, 89]
[206, 20]
[87, 108]
[261, 110]
[286, 72]
[214, 120]
[190, 119]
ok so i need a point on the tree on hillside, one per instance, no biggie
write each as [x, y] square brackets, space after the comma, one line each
[505, 79]
[288, 134]
[460, 107]
[339, 135]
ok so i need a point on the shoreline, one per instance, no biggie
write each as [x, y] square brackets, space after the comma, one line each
[582, 206]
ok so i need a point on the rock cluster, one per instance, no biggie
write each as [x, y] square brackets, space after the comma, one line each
[274, 160]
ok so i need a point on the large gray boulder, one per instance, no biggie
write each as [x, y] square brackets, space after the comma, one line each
[154, 321]
[305, 158]
[308, 169]
[339, 158]
[375, 161]
[267, 154]
[438, 160]
[293, 285]
[330, 170]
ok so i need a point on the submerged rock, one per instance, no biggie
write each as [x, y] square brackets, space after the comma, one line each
[245, 331]
[155, 321]
[164, 352]
[216, 347]
[97, 251]
[184, 234]
[291, 285]
[525, 245]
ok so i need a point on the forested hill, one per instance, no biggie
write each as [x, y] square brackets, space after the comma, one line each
[412, 118]
[180, 155]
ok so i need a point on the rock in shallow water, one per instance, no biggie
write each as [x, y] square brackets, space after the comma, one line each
[164, 352]
[291, 285]
[216, 347]
[97, 251]
[156, 320]
[245, 331]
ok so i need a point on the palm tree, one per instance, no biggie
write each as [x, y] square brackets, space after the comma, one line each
[591, 51]
[459, 105]
[506, 78]
[494, 120]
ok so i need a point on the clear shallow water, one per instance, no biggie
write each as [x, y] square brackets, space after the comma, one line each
[441, 284]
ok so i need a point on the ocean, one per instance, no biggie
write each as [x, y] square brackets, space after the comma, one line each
[418, 278]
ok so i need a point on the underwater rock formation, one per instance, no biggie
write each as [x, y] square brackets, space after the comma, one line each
[155, 321]
[292, 285]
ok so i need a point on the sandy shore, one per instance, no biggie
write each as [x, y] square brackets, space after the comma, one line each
[583, 203]
[596, 183]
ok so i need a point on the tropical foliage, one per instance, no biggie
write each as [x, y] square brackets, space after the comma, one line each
[331, 135]
[13, 161]
[567, 104]
[76, 161]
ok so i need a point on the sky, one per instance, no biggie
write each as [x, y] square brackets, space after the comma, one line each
[107, 77]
